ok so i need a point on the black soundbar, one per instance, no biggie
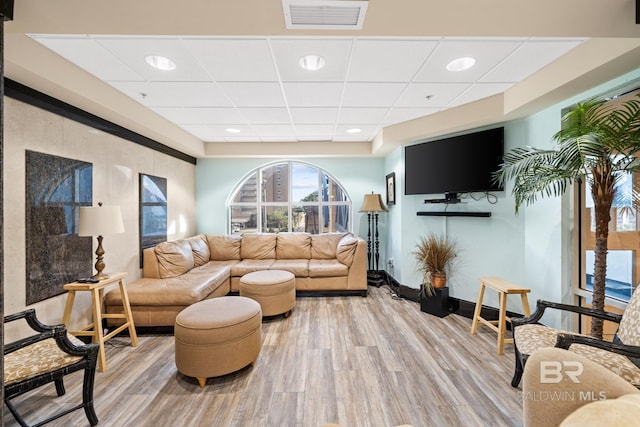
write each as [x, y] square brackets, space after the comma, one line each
[447, 201]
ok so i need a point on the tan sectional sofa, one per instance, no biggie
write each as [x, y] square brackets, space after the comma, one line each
[179, 273]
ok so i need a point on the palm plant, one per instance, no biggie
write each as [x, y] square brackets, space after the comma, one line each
[598, 144]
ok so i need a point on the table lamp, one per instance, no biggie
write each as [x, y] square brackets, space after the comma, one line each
[97, 221]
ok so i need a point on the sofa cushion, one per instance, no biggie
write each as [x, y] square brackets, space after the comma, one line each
[258, 246]
[224, 248]
[293, 246]
[327, 268]
[323, 246]
[174, 258]
[346, 249]
[299, 267]
[200, 249]
[175, 291]
[249, 266]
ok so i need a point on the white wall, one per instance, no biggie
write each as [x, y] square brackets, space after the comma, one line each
[116, 165]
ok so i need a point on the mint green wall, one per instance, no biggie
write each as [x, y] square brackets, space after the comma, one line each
[216, 178]
[532, 248]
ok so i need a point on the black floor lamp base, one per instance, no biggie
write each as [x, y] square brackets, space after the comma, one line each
[375, 278]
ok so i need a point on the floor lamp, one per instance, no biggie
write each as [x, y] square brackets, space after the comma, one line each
[373, 205]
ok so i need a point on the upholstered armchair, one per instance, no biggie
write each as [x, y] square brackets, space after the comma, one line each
[622, 356]
[577, 397]
[45, 357]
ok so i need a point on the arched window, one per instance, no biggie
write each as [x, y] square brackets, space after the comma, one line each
[289, 196]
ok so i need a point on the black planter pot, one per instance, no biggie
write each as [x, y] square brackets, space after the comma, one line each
[438, 304]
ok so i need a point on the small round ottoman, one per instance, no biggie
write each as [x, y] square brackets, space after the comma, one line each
[275, 290]
[217, 336]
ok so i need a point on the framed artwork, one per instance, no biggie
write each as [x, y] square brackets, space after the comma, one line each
[153, 211]
[56, 187]
[391, 189]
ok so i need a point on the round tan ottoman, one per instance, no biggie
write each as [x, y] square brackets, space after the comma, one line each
[217, 336]
[275, 290]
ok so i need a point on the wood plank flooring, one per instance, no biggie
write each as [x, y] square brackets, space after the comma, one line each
[374, 361]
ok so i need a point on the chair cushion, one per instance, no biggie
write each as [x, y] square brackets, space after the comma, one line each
[529, 338]
[346, 249]
[224, 248]
[37, 359]
[299, 267]
[327, 268]
[323, 246]
[617, 363]
[200, 249]
[250, 265]
[629, 329]
[258, 246]
[174, 258]
[293, 246]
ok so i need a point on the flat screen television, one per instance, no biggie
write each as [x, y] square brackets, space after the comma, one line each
[459, 164]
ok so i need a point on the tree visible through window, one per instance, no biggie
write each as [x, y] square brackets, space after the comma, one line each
[289, 196]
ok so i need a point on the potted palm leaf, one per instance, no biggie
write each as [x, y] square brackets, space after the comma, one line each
[597, 144]
[434, 255]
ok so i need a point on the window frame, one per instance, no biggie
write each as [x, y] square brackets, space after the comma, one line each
[259, 204]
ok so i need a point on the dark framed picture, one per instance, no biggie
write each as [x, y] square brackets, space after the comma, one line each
[391, 189]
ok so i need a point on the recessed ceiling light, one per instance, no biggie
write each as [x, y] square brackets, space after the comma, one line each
[353, 130]
[160, 62]
[312, 62]
[232, 130]
[461, 64]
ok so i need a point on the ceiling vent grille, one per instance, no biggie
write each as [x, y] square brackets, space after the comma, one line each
[324, 14]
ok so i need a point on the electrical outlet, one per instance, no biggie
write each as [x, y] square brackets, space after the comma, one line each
[390, 262]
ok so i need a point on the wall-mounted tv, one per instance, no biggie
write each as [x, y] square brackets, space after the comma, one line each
[459, 164]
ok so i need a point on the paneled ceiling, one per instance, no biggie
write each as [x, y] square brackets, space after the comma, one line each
[238, 88]
[254, 88]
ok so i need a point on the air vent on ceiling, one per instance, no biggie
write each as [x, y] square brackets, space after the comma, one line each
[324, 14]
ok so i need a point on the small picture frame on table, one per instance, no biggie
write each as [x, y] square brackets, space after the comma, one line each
[391, 189]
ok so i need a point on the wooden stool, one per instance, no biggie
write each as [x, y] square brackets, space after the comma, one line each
[94, 329]
[503, 288]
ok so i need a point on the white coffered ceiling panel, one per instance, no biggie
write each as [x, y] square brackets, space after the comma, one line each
[383, 60]
[314, 115]
[266, 116]
[336, 53]
[234, 60]
[362, 115]
[372, 94]
[233, 89]
[528, 58]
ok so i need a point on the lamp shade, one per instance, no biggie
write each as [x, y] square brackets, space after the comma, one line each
[373, 203]
[101, 220]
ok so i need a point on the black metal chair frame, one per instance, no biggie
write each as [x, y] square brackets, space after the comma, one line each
[565, 340]
[88, 362]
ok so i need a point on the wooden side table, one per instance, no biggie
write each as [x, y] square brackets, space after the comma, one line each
[503, 288]
[95, 329]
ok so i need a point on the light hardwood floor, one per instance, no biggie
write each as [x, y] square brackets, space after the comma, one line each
[374, 361]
